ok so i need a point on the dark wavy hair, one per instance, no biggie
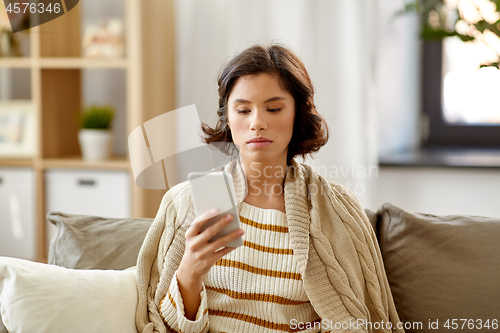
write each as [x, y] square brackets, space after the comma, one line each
[310, 130]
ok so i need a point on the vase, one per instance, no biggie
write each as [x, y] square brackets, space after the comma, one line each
[95, 144]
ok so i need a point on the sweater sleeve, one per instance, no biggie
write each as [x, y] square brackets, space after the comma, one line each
[172, 311]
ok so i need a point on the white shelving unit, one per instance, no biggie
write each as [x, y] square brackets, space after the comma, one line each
[56, 69]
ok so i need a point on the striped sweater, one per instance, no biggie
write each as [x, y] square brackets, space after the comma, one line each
[255, 288]
[334, 248]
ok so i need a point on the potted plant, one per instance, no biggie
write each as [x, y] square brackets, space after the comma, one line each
[95, 136]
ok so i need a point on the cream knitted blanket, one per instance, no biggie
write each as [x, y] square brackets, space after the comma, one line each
[333, 242]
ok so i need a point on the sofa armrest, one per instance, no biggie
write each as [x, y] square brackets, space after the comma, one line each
[441, 267]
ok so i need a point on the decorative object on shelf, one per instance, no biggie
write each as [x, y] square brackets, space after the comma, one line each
[10, 44]
[95, 135]
[470, 20]
[17, 129]
[104, 39]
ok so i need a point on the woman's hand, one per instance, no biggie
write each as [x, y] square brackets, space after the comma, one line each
[200, 255]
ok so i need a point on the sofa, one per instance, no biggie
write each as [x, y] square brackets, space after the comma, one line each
[444, 274]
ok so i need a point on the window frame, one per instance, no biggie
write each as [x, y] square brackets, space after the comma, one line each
[438, 132]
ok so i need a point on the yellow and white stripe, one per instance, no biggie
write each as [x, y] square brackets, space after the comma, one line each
[255, 288]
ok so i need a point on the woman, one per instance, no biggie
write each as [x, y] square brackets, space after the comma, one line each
[309, 262]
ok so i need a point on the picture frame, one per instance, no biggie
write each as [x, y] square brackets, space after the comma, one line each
[18, 130]
[104, 38]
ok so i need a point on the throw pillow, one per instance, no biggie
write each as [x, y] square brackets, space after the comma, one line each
[90, 242]
[442, 268]
[2, 327]
[372, 216]
[46, 298]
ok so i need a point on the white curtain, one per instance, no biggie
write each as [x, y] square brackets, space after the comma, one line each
[337, 40]
[397, 79]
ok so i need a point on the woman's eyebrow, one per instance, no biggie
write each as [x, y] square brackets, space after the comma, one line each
[272, 99]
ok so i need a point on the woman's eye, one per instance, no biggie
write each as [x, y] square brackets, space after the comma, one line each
[246, 111]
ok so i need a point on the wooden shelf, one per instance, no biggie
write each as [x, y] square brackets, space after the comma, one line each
[12, 62]
[76, 63]
[76, 162]
[16, 162]
[55, 65]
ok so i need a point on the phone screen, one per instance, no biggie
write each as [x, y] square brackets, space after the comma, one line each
[211, 191]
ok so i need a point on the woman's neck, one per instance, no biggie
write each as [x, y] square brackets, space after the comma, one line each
[265, 179]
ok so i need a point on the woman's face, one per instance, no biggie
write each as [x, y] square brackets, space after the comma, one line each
[259, 109]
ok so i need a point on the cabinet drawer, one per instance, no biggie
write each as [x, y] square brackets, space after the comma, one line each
[101, 193]
[17, 213]
[98, 193]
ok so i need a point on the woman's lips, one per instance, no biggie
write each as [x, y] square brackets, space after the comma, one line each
[259, 144]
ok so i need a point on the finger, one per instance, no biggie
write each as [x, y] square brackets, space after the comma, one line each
[201, 241]
[211, 231]
[223, 241]
[221, 253]
[207, 249]
[199, 221]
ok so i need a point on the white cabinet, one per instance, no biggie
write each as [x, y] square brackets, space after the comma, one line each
[86, 192]
[17, 213]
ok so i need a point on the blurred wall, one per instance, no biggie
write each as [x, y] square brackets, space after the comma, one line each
[439, 191]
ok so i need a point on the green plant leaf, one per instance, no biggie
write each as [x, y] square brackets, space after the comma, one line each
[493, 64]
[435, 34]
[97, 117]
[465, 38]
[482, 25]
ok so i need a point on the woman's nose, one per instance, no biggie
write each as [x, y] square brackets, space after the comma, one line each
[258, 121]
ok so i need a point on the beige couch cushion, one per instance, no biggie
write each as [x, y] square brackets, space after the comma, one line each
[441, 267]
[89, 242]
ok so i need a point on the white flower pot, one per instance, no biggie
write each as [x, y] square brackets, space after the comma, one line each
[95, 144]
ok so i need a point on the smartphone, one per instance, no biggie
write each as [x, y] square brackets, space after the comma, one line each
[215, 190]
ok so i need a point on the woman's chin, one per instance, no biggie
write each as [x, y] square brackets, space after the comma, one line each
[261, 157]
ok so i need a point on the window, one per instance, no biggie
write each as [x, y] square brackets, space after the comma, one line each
[470, 95]
[462, 107]
[460, 98]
